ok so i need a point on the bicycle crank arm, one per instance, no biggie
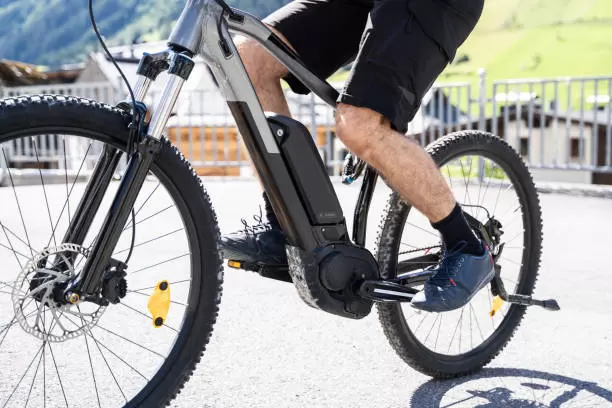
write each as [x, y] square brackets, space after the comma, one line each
[385, 291]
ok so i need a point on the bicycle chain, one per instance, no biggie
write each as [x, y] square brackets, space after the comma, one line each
[419, 249]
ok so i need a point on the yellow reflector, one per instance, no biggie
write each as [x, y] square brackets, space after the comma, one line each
[159, 303]
[234, 264]
[497, 304]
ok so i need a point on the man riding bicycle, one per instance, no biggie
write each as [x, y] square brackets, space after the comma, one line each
[399, 48]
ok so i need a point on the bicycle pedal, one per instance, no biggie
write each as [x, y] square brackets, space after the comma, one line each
[276, 272]
[384, 291]
[548, 304]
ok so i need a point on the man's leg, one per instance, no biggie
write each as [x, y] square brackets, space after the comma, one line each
[401, 161]
[401, 55]
[408, 168]
[265, 73]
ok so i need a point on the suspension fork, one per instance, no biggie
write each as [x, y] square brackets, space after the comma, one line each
[88, 283]
[93, 195]
[100, 179]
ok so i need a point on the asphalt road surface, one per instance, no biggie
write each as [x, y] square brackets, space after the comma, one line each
[269, 349]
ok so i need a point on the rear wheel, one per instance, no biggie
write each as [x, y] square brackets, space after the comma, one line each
[492, 184]
[86, 354]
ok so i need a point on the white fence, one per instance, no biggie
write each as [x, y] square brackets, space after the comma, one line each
[560, 125]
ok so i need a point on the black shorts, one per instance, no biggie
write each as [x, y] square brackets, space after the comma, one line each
[399, 47]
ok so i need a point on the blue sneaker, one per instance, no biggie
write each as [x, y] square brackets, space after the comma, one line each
[455, 282]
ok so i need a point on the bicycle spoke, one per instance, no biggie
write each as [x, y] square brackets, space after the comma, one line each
[35, 375]
[145, 316]
[153, 287]
[22, 377]
[159, 263]
[471, 341]
[423, 229]
[460, 327]
[455, 332]
[511, 210]
[450, 179]
[511, 261]
[147, 295]
[70, 192]
[493, 166]
[7, 329]
[17, 200]
[150, 240]
[143, 204]
[439, 327]
[520, 233]
[484, 194]
[120, 359]
[147, 218]
[42, 182]
[13, 321]
[510, 221]
[59, 378]
[5, 229]
[108, 366]
[93, 374]
[421, 323]
[477, 324]
[466, 195]
[498, 194]
[478, 200]
[408, 245]
[88, 333]
[432, 326]
[129, 341]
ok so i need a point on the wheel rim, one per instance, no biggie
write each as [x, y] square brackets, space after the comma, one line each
[466, 331]
[119, 353]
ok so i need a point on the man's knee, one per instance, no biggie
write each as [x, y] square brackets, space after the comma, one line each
[259, 63]
[359, 128]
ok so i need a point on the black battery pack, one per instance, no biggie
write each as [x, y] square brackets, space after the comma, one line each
[307, 171]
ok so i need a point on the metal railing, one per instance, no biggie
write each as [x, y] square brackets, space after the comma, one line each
[554, 123]
[562, 123]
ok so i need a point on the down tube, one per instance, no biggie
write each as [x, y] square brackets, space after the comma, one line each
[234, 83]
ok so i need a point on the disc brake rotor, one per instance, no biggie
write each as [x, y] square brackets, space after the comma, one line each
[37, 308]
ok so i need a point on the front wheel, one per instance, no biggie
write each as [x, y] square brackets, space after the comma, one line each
[492, 183]
[86, 354]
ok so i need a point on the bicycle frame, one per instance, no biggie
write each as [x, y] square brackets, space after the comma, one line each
[204, 28]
